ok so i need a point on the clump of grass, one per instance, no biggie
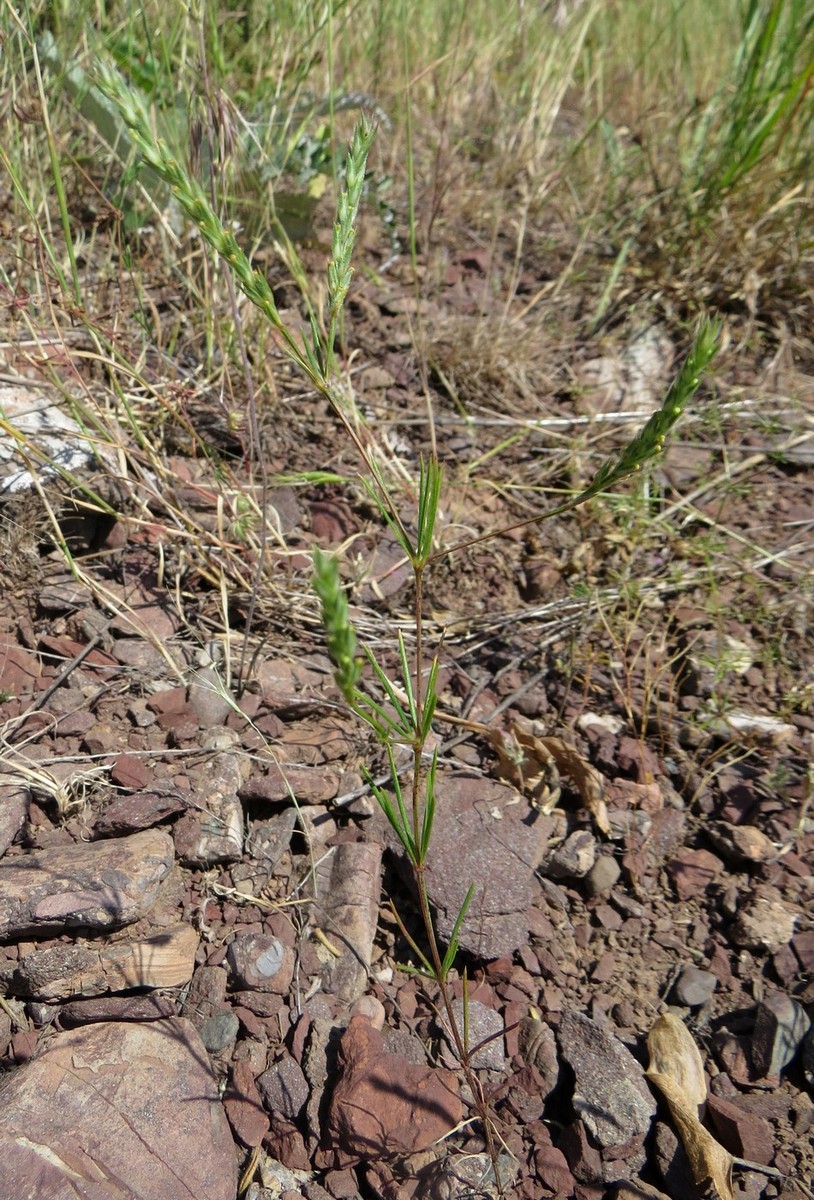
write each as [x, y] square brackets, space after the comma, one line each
[704, 200]
[763, 114]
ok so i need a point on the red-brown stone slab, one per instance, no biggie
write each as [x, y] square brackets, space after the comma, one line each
[117, 1111]
[130, 813]
[743, 1134]
[384, 1105]
[98, 886]
[164, 959]
[244, 1107]
[484, 833]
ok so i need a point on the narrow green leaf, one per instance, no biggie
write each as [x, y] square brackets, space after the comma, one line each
[408, 685]
[406, 726]
[396, 527]
[430, 700]
[407, 823]
[429, 809]
[375, 716]
[399, 826]
[452, 948]
[314, 351]
[415, 972]
[429, 491]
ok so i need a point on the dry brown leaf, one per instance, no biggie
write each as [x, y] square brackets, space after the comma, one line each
[585, 778]
[524, 764]
[534, 765]
[677, 1071]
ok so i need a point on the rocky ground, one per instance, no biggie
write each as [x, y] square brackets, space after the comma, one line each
[200, 968]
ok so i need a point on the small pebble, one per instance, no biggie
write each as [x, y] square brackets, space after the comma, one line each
[260, 962]
[602, 876]
[574, 858]
[220, 1031]
[780, 1026]
[764, 923]
[370, 1007]
[694, 987]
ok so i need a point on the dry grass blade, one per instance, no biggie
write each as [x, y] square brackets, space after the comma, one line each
[69, 795]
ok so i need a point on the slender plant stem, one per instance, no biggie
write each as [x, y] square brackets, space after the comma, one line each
[419, 873]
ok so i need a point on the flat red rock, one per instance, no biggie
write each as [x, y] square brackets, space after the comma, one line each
[98, 886]
[117, 1111]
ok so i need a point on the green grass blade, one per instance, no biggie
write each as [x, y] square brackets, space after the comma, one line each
[405, 820]
[404, 723]
[429, 491]
[430, 700]
[452, 948]
[428, 818]
[408, 684]
[375, 716]
[378, 495]
[396, 817]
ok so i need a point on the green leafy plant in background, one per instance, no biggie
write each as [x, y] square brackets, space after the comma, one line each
[272, 168]
[398, 707]
[313, 356]
[751, 118]
[706, 200]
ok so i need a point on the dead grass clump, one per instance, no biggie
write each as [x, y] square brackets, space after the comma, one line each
[484, 364]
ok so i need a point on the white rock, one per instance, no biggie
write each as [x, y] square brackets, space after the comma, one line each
[764, 923]
[756, 725]
[45, 426]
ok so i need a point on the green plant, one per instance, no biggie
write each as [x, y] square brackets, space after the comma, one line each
[401, 714]
[703, 197]
[753, 116]
[399, 708]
